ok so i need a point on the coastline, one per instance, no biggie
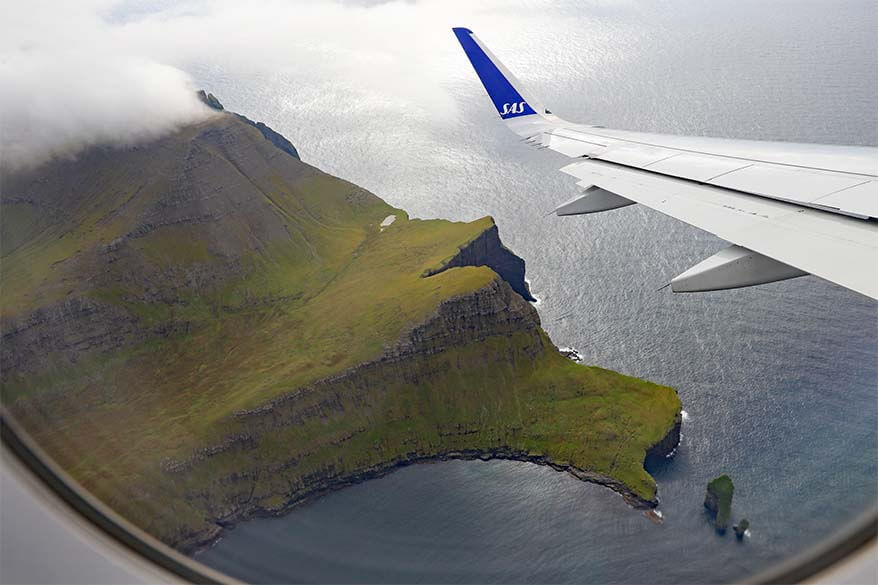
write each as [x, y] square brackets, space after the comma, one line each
[664, 448]
[263, 394]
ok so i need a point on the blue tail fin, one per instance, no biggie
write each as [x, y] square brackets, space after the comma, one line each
[502, 87]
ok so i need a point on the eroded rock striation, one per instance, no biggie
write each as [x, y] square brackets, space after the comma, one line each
[487, 250]
[668, 445]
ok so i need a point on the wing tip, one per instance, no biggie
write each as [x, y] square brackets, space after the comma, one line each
[501, 85]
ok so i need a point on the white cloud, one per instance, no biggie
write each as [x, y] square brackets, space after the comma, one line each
[396, 52]
[74, 74]
[67, 81]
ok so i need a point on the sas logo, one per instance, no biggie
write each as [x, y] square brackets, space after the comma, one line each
[513, 108]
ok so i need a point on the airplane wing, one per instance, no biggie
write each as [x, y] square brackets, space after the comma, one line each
[787, 209]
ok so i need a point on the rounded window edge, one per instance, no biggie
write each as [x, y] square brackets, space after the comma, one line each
[18, 444]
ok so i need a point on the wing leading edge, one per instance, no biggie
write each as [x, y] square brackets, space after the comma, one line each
[788, 209]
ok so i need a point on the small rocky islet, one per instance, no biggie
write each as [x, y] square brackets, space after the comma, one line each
[718, 504]
[718, 501]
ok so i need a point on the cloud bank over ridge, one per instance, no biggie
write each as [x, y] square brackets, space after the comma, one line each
[115, 72]
[69, 80]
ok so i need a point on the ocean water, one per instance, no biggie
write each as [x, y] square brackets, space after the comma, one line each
[779, 382]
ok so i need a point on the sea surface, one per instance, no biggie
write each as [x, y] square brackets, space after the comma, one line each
[779, 382]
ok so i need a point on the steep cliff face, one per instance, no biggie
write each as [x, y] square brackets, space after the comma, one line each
[227, 331]
[669, 443]
[488, 250]
[492, 310]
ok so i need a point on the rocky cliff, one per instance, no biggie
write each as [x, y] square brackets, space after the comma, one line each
[206, 328]
[492, 327]
[669, 443]
[487, 250]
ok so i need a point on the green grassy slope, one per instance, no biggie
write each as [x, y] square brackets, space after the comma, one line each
[152, 296]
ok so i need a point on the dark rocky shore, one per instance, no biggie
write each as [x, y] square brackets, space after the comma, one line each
[663, 448]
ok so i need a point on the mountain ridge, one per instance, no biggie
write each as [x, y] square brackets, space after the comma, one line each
[205, 328]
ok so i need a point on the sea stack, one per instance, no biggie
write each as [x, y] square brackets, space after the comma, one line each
[741, 528]
[718, 501]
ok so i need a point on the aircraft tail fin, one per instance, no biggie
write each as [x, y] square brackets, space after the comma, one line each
[509, 97]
